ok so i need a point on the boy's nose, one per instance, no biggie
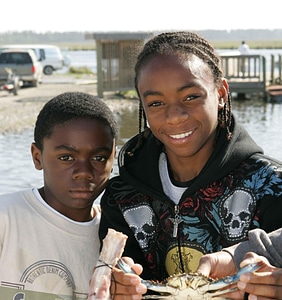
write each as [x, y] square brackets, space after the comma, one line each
[176, 114]
[83, 170]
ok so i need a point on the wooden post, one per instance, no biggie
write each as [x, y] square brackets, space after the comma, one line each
[280, 68]
[272, 69]
[100, 80]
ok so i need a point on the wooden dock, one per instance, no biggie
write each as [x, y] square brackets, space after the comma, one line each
[246, 74]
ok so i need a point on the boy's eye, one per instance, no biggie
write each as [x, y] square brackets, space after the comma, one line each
[155, 104]
[191, 97]
[99, 158]
[66, 158]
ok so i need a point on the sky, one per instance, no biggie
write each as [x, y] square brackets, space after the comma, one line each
[140, 15]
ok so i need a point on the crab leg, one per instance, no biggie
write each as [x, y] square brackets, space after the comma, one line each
[113, 245]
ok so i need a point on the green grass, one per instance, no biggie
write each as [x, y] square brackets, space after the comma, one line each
[129, 94]
[80, 70]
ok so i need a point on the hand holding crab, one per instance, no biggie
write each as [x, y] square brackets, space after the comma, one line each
[193, 285]
[266, 283]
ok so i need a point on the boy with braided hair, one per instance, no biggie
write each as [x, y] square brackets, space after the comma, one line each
[192, 181]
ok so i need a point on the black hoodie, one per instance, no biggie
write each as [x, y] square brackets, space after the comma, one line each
[238, 189]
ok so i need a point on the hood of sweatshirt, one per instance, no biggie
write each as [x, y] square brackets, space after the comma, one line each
[142, 169]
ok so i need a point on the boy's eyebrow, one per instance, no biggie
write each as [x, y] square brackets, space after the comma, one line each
[65, 147]
[156, 93]
[70, 148]
[188, 86]
[150, 92]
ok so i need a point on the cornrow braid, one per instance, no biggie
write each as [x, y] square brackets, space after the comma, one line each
[186, 43]
[142, 116]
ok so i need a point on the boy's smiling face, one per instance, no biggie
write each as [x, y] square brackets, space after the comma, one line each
[76, 160]
[181, 102]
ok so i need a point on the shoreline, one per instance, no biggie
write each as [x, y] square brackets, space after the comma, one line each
[18, 113]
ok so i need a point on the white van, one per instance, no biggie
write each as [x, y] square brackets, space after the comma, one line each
[50, 56]
[23, 63]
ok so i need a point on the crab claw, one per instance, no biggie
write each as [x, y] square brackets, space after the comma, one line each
[221, 285]
[150, 284]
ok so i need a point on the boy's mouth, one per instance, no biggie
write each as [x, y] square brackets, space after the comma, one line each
[181, 135]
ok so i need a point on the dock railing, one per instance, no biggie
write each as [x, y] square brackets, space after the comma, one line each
[246, 74]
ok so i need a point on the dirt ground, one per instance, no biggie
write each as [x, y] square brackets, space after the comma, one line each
[19, 112]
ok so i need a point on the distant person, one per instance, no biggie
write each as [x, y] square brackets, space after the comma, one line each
[244, 49]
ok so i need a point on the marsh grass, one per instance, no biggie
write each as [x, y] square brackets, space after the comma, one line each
[80, 70]
[274, 44]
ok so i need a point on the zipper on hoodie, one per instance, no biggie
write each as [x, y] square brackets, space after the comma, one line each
[176, 220]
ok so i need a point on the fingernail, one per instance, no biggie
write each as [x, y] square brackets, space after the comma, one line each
[245, 277]
[141, 289]
[135, 280]
[253, 297]
[241, 285]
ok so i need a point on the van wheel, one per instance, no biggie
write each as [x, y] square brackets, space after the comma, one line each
[48, 70]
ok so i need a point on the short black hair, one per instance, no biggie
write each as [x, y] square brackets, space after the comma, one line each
[68, 106]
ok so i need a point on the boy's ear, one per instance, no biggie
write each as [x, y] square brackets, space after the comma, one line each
[36, 156]
[223, 93]
[221, 103]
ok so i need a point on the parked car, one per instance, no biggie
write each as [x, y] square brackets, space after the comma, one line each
[50, 56]
[24, 64]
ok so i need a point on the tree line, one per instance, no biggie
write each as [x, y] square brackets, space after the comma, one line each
[230, 38]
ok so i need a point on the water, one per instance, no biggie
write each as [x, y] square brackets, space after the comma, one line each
[262, 120]
[81, 59]
[16, 166]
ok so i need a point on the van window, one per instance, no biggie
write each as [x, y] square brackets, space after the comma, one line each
[42, 54]
[52, 52]
[15, 58]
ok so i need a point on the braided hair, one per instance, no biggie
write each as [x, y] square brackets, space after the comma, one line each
[181, 42]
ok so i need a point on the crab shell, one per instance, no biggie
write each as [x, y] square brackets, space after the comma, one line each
[197, 286]
[187, 286]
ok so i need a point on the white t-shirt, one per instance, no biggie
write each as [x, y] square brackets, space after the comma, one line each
[244, 49]
[172, 191]
[43, 254]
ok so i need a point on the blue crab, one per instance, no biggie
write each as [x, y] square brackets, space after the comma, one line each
[191, 286]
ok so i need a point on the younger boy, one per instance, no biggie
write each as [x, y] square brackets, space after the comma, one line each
[49, 241]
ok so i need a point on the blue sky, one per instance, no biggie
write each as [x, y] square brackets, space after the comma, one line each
[142, 15]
